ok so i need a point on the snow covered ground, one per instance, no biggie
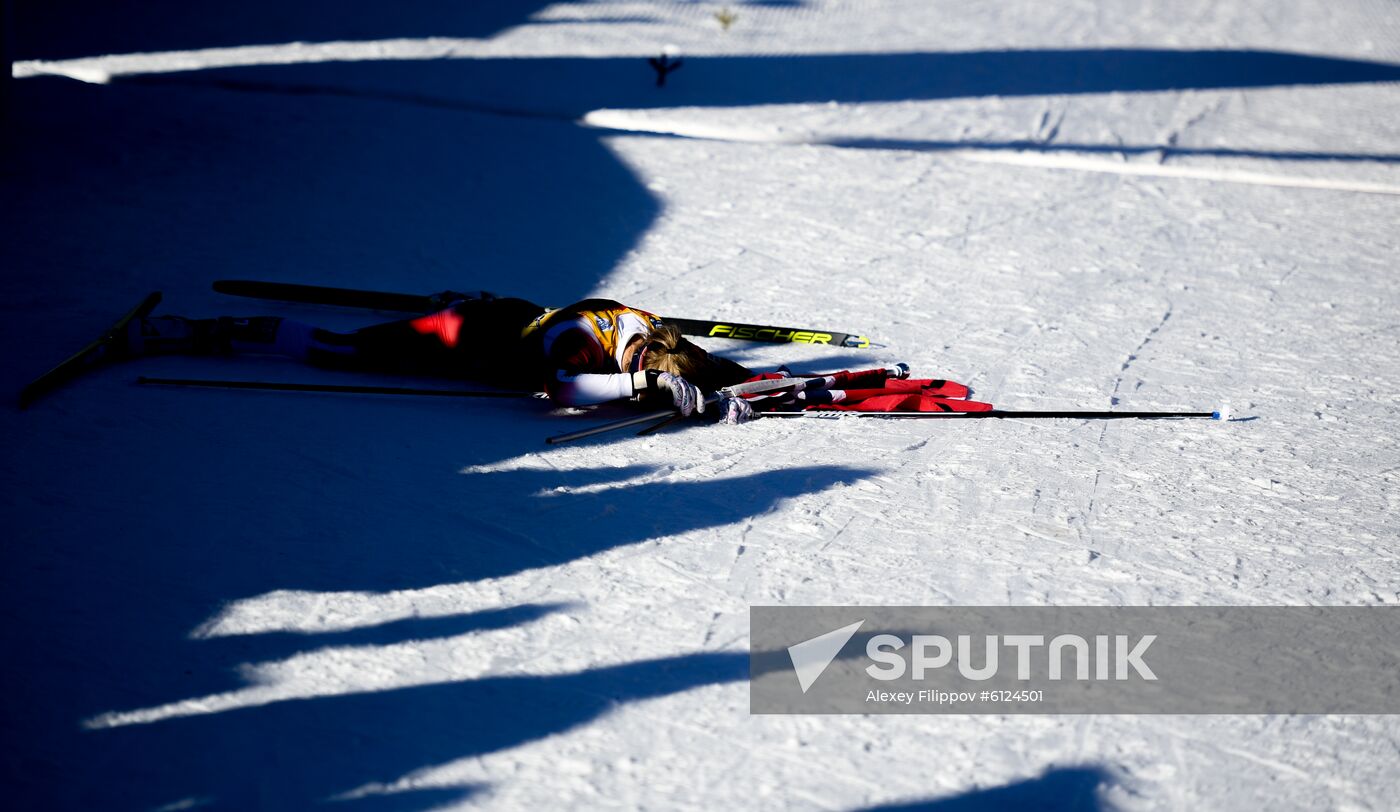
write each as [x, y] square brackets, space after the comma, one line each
[272, 601]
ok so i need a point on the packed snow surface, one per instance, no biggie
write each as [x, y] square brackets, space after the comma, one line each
[263, 600]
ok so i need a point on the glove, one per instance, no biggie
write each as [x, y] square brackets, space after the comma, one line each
[734, 410]
[686, 396]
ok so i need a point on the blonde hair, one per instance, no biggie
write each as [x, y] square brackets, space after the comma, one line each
[668, 351]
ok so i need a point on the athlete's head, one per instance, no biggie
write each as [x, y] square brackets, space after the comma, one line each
[667, 350]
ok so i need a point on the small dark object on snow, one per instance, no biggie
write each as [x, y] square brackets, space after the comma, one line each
[664, 65]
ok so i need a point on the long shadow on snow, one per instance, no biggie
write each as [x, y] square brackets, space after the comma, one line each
[205, 520]
[121, 189]
[275, 756]
[569, 87]
[62, 29]
[1062, 789]
[391, 513]
[220, 654]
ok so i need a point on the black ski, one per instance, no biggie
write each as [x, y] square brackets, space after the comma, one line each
[83, 359]
[415, 303]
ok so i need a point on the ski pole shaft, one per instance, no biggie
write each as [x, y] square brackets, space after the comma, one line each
[652, 429]
[1009, 414]
[651, 417]
[336, 388]
[661, 418]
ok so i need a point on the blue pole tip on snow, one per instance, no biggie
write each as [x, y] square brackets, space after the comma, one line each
[1223, 413]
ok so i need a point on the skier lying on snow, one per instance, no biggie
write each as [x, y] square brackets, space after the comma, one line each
[593, 351]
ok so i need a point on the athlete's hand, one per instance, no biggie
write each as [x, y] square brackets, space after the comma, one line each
[686, 396]
[734, 410]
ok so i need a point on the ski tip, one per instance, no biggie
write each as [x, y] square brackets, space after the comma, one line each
[1223, 413]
